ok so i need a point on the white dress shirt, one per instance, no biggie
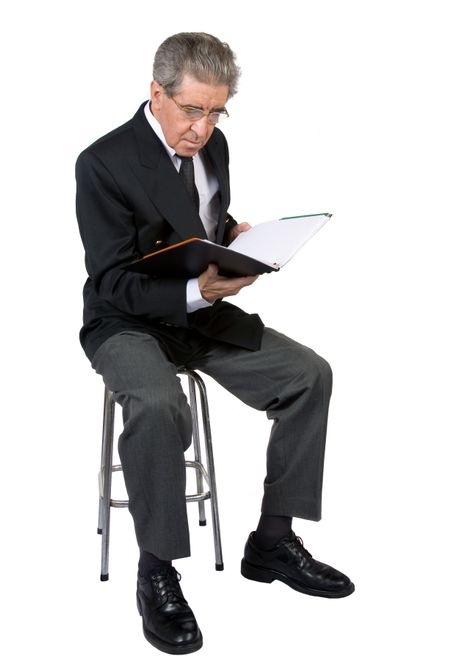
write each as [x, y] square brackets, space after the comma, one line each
[208, 191]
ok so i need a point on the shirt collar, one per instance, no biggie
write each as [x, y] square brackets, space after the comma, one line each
[154, 123]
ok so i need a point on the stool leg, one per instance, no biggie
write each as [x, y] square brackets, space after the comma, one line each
[197, 454]
[210, 468]
[101, 475]
[105, 479]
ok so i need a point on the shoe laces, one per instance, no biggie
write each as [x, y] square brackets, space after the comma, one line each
[166, 583]
[297, 542]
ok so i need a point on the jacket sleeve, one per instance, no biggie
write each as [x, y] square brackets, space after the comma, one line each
[107, 229]
[230, 222]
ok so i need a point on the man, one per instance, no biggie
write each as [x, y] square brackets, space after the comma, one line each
[161, 178]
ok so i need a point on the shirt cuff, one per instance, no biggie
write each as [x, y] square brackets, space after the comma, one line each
[194, 299]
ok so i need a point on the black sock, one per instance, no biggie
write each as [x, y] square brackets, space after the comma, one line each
[271, 529]
[148, 562]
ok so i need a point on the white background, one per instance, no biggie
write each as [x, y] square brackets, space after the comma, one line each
[342, 107]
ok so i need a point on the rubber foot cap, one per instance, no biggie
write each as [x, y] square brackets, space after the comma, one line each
[202, 523]
[104, 577]
[219, 567]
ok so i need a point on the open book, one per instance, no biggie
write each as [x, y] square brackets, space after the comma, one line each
[264, 248]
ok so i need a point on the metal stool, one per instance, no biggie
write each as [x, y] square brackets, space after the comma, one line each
[107, 467]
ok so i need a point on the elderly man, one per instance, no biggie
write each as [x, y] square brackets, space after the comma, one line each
[160, 178]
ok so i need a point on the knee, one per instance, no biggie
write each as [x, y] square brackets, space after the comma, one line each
[326, 372]
[318, 372]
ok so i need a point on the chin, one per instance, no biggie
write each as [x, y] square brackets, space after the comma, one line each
[188, 150]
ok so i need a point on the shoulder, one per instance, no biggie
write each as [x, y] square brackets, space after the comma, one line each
[114, 145]
[108, 148]
[217, 145]
[218, 137]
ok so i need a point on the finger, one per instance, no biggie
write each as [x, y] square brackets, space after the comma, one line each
[250, 279]
[241, 282]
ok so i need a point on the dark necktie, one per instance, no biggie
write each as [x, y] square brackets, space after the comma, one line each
[187, 175]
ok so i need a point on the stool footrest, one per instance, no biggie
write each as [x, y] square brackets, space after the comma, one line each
[200, 497]
[119, 503]
[199, 466]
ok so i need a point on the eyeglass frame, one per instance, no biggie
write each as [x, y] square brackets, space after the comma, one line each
[189, 108]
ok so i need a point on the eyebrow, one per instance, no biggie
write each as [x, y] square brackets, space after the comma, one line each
[200, 107]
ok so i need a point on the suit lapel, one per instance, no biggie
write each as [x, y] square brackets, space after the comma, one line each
[161, 181]
[215, 154]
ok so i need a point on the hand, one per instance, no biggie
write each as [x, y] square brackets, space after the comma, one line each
[214, 286]
[236, 230]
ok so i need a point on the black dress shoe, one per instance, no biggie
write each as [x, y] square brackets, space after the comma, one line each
[290, 562]
[167, 619]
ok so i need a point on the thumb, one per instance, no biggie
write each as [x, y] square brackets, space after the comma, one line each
[212, 270]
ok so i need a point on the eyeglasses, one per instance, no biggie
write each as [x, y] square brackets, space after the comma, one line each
[195, 113]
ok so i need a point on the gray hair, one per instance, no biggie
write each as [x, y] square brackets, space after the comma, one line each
[200, 55]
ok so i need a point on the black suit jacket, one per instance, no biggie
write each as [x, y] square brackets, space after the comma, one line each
[131, 200]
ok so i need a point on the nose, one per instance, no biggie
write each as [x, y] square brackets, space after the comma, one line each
[201, 127]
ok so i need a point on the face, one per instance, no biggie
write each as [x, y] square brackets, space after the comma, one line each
[187, 137]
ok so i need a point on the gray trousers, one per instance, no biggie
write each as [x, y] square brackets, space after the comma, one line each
[288, 381]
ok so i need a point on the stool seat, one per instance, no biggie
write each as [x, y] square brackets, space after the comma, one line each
[203, 474]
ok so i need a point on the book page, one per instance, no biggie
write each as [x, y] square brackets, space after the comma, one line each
[277, 241]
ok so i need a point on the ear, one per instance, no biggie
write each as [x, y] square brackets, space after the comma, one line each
[156, 92]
